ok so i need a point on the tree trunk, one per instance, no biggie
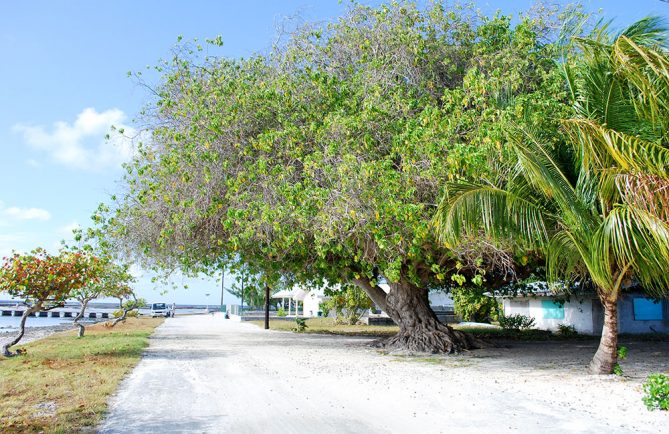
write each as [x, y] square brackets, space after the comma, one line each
[420, 330]
[375, 292]
[79, 316]
[606, 357]
[22, 330]
[266, 307]
[121, 318]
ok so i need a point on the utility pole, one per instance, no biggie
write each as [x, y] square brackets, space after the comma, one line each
[266, 307]
[222, 288]
[241, 310]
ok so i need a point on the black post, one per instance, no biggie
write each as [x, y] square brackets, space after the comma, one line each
[266, 307]
[241, 313]
[222, 288]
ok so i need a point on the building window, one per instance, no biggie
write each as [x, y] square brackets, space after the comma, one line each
[552, 309]
[647, 310]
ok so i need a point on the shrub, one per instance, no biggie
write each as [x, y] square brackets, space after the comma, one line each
[131, 314]
[325, 308]
[516, 322]
[622, 355]
[281, 312]
[567, 330]
[656, 392]
[300, 325]
[471, 304]
[349, 303]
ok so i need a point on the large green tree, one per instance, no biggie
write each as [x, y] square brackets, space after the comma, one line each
[599, 216]
[325, 159]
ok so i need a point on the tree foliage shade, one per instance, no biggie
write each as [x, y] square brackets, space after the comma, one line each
[581, 211]
[325, 159]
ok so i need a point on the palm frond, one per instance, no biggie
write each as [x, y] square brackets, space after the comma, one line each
[468, 208]
[604, 147]
[648, 71]
[545, 174]
[565, 258]
[650, 31]
[647, 192]
[638, 239]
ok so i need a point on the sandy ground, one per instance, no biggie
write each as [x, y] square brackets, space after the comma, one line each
[206, 374]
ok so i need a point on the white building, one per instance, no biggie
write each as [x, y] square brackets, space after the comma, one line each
[290, 300]
[636, 313]
[307, 301]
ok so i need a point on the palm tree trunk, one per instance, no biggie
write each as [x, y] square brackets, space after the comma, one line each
[606, 357]
[22, 330]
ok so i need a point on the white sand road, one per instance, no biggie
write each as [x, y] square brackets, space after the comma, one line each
[205, 374]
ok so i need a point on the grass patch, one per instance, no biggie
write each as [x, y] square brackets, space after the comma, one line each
[328, 326]
[450, 361]
[63, 383]
[428, 360]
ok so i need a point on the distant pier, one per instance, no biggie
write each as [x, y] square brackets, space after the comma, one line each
[61, 312]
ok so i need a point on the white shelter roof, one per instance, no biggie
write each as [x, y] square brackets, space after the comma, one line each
[286, 293]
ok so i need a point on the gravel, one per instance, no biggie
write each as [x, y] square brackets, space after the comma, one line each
[208, 374]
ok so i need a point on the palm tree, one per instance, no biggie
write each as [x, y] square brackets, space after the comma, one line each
[599, 216]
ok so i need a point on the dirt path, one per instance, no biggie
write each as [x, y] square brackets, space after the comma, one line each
[207, 374]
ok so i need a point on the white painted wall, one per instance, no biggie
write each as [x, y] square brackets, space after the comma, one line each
[311, 302]
[576, 312]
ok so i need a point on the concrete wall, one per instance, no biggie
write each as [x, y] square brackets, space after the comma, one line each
[311, 302]
[587, 315]
[628, 324]
[576, 312]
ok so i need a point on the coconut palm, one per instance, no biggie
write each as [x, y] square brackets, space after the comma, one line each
[599, 216]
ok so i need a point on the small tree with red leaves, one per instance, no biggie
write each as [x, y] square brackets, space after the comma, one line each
[44, 281]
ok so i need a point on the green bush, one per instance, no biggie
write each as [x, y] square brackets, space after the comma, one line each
[349, 303]
[325, 308]
[300, 325]
[472, 305]
[567, 330]
[516, 322]
[131, 314]
[622, 355]
[656, 392]
[281, 312]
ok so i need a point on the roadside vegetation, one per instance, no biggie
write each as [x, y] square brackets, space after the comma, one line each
[424, 147]
[330, 326]
[61, 384]
[333, 327]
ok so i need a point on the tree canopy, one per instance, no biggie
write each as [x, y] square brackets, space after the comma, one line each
[45, 281]
[596, 216]
[325, 159]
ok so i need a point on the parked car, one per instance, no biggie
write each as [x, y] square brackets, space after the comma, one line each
[159, 309]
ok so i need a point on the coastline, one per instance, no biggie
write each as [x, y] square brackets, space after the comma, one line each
[33, 333]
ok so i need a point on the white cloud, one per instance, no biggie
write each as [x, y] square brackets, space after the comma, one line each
[66, 230]
[11, 242]
[82, 144]
[17, 213]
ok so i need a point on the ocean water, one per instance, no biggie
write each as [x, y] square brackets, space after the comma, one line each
[8, 323]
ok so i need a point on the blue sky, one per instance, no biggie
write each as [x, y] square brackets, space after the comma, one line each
[63, 83]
